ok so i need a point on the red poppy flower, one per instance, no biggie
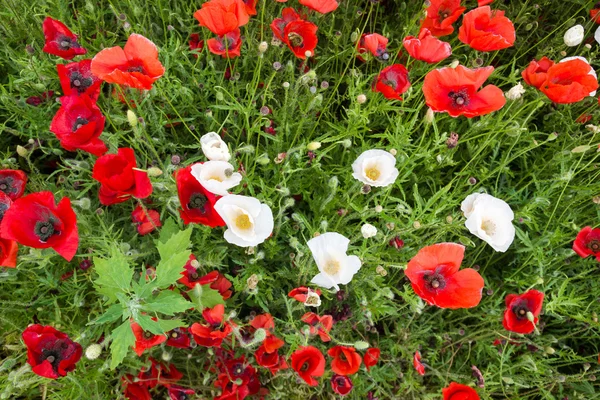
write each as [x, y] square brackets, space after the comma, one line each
[8, 253]
[37, 221]
[319, 325]
[301, 294]
[197, 203]
[119, 178]
[250, 6]
[486, 30]
[308, 362]
[78, 124]
[136, 65]
[392, 81]
[180, 393]
[372, 44]
[263, 321]
[222, 16]
[417, 363]
[454, 90]
[146, 221]
[267, 354]
[60, 41]
[179, 338]
[569, 81]
[196, 44]
[519, 310]
[341, 384]
[536, 72]
[346, 361]
[227, 45]
[214, 279]
[76, 78]
[212, 334]
[237, 380]
[587, 243]
[159, 374]
[371, 357]
[278, 25]
[457, 391]
[321, 6]
[434, 276]
[145, 339]
[12, 182]
[134, 390]
[301, 37]
[50, 353]
[427, 47]
[441, 14]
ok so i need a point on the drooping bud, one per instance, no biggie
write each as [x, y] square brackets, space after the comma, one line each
[154, 171]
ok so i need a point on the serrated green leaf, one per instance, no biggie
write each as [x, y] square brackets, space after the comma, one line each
[170, 324]
[168, 229]
[167, 302]
[122, 340]
[203, 296]
[174, 254]
[149, 325]
[112, 314]
[114, 275]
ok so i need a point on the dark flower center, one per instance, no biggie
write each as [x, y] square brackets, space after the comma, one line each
[6, 185]
[183, 396]
[383, 55]
[3, 208]
[174, 335]
[52, 356]
[434, 282]
[80, 82]
[295, 39]
[136, 67]
[593, 245]
[148, 335]
[194, 276]
[66, 43]
[305, 366]
[443, 14]
[44, 230]
[459, 98]
[79, 122]
[520, 311]
[341, 382]
[197, 202]
[238, 369]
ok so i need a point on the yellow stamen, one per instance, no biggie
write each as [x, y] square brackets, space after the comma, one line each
[242, 221]
[372, 173]
[332, 267]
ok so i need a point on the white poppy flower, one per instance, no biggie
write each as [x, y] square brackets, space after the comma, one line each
[574, 35]
[368, 231]
[592, 72]
[216, 176]
[214, 148]
[335, 266]
[490, 219]
[249, 222]
[375, 168]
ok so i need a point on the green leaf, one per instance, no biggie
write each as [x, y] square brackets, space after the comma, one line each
[174, 254]
[203, 296]
[112, 314]
[168, 229]
[149, 325]
[122, 340]
[167, 302]
[170, 324]
[114, 275]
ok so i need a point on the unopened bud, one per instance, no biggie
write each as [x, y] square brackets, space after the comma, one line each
[259, 335]
[22, 151]
[549, 350]
[166, 356]
[132, 118]
[360, 345]
[381, 271]
[429, 116]
[312, 146]
[361, 99]
[262, 47]
[530, 317]
[153, 171]
[454, 64]
[93, 351]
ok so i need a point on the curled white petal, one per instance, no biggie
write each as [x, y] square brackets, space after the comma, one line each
[216, 176]
[214, 148]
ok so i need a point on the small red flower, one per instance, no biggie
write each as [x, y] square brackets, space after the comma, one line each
[196, 44]
[145, 339]
[278, 25]
[119, 178]
[587, 243]
[179, 338]
[396, 243]
[237, 380]
[12, 183]
[197, 203]
[134, 390]
[309, 363]
[417, 363]
[214, 279]
[569, 81]
[457, 391]
[263, 321]
[441, 14]
[227, 46]
[212, 334]
[222, 16]
[371, 357]
[267, 354]
[372, 44]
[435, 277]
[37, 100]
[301, 37]
[321, 6]
[76, 78]
[78, 124]
[136, 65]
[37, 221]
[301, 294]
[146, 221]
[392, 81]
[341, 384]
[519, 310]
[536, 72]
[180, 393]
[595, 13]
[250, 6]
[60, 41]
[346, 361]
[486, 30]
[50, 353]
[427, 47]
[319, 325]
[455, 91]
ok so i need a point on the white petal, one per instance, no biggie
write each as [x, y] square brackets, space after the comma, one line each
[467, 205]
[264, 222]
[574, 36]
[324, 281]
[214, 148]
[382, 160]
[597, 35]
[351, 267]
[330, 245]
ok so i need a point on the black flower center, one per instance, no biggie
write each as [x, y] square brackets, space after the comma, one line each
[183, 396]
[305, 366]
[459, 98]
[3, 208]
[520, 311]
[238, 369]
[444, 14]
[6, 185]
[197, 202]
[594, 245]
[148, 335]
[434, 282]
[136, 68]
[295, 39]
[341, 382]
[44, 230]
[79, 122]
[66, 43]
[80, 82]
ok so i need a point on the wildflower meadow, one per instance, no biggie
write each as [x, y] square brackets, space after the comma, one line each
[299, 199]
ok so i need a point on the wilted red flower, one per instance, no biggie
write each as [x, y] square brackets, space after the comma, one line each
[308, 362]
[180, 393]
[12, 183]
[179, 338]
[486, 30]
[396, 243]
[267, 354]
[454, 90]
[346, 361]
[536, 72]
[37, 100]
[278, 25]
[434, 276]
[417, 363]
[392, 81]
[196, 44]
[372, 44]
[60, 41]
[211, 335]
[136, 65]
[301, 37]
[522, 311]
[78, 124]
[37, 221]
[457, 391]
[50, 353]
[263, 321]
[76, 78]
[145, 339]
[371, 357]
[341, 384]
[306, 295]
[587, 242]
[227, 46]
[321, 6]
[222, 16]
[569, 81]
[441, 14]
[119, 178]
[197, 203]
[319, 325]
[159, 374]
[134, 390]
[427, 47]
[146, 221]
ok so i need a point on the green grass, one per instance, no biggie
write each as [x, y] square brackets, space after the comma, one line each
[521, 154]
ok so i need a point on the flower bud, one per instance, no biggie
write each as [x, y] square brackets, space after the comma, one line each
[22, 151]
[454, 64]
[262, 47]
[361, 99]
[132, 118]
[93, 351]
[429, 116]
[154, 171]
[574, 36]
[312, 146]
[368, 231]
[360, 345]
